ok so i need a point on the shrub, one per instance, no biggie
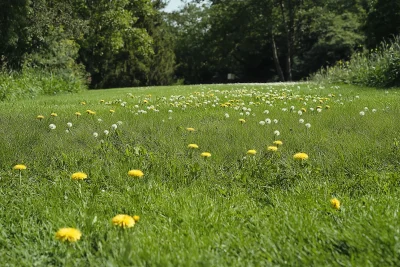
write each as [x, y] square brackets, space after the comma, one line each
[32, 82]
[378, 67]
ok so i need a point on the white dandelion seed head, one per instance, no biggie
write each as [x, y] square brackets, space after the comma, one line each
[247, 113]
[275, 121]
[308, 125]
[301, 121]
[311, 109]
[226, 115]
[99, 120]
[277, 133]
[241, 113]
[119, 122]
[319, 109]
[300, 112]
[362, 113]
[373, 110]
[114, 126]
[268, 121]
[67, 131]
[52, 126]
[266, 111]
[69, 124]
[106, 132]
[262, 122]
[366, 108]
[170, 111]
[95, 135]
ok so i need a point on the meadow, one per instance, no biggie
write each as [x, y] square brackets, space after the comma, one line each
[248, 202]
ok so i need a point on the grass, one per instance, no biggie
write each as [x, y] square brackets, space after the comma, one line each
[231, 209]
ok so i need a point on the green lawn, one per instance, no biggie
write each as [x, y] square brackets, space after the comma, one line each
[231, 209]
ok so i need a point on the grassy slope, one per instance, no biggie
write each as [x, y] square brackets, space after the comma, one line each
[227, 210]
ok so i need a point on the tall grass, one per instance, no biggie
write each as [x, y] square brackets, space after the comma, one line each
[378, 67]
[31, 83]
[232, 209]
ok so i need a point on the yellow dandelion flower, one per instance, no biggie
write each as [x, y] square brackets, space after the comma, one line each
[278, 143]
[19, 167]
[53, 114]
[68, 234]
[300, 156]
[90, 112]
[242, 121]
[145, 101]
[272, 148]
[136, 218]
[102, 101]
[78, 176]
[327, 107]
[83, 103]
[40, 117]
[77, 114]
[112, 111]
[335, 203]
[124, 221]
[251, 152]
[205, 154]
[193, 146]
[190, 129]
[136, 173]
[303, 109]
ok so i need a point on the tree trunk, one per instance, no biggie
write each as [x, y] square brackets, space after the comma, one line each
[276, 59]
[289, 42]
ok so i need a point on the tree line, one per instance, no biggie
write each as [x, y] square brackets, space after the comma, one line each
[134, 43]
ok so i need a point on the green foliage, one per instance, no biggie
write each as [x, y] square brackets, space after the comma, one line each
[31, 83]
[378, 67]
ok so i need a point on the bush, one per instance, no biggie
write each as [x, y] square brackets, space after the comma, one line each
[32, 82]
[379, 67]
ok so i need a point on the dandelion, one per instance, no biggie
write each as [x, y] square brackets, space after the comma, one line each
[123, 220]
[19, 167]
[52, 126]
[145, 101]
[68, 234]
[262, 123]
[40, 117]
[114, 126]
[268, 121]
[308, 125]
[119, 122]
[226, 115]
[300, 112]
[300, 156]
[136, 218]
[319, 110]
[301, 121]
[242, 121]
[205, 155]
[275, 121]
[190, 129]
[327, 107]
[278, 143]
[102, 101]
[272, 148]
[112, 111]
[79, 176]
[106, 132]
[53, 114]
[193, 146]
[170, 111]
[373, 110]
[83, 103]
[69, 124]
[77, 114]
[266, 111]
[136, 173]
[276, 133]
[362, 113]
[335, 203]
[99, 120]
[251, 152]
[95, 135]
